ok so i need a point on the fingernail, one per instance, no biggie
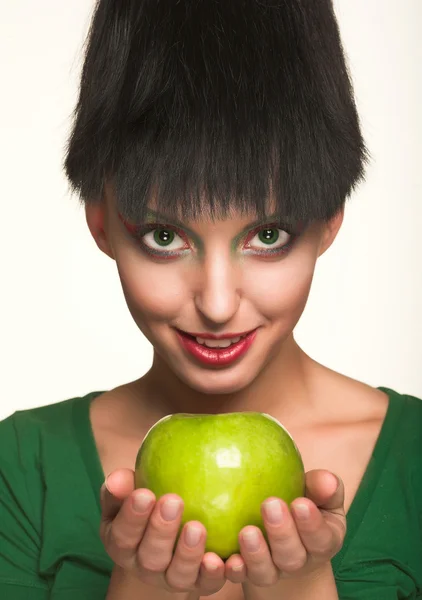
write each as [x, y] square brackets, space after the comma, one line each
[170, 509]
[273, 511]
[251, 540]
[211, 566]
[141, 502]
[237, 568]
[301, 511]
[192, 536]
[337, 481]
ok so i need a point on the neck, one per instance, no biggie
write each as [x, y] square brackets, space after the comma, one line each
[282, 387]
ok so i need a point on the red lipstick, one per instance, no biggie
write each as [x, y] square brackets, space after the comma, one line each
[214, 336]
[216, 357]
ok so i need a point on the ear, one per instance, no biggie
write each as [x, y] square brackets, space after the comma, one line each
[96, 220]
[330, 231]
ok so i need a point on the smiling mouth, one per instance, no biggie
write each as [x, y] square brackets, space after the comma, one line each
[217, 353]
[214, 341]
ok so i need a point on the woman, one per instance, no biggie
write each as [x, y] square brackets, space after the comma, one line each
[214, 146]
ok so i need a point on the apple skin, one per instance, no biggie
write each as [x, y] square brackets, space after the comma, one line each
[223, 467]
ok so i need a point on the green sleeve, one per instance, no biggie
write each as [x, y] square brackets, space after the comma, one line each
[19, 535]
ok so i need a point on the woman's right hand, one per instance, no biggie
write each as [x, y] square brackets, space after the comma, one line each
[139, 534]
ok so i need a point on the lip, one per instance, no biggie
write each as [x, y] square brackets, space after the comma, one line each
[216, 357]
[213, 336]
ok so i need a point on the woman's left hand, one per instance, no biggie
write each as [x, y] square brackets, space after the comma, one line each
[301, 541]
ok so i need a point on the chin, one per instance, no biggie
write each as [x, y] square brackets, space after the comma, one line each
[218, 381]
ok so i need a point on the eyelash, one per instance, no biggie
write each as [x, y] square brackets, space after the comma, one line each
[275, 251]
[140, 231]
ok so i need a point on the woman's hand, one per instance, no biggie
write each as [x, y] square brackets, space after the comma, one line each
[139, 534]
[301, 541]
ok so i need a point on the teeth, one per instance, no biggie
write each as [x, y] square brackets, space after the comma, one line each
[218, 343]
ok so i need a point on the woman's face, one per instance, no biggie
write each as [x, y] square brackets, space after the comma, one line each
[213, 278]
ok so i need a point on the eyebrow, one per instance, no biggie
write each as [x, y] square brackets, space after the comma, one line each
[152, 214]
[274, 218]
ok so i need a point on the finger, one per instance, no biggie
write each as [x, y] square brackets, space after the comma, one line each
[156, 549]
[118, 486]
[123, 535]
[325, 489]
[183, 571]
[123, 523]
[235, 569]
[287, 550]
[211, 574]
[190, 568]
[260, 567]
[317, 536]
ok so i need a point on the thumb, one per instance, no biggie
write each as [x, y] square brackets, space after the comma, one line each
[325, 489]
[115, 489]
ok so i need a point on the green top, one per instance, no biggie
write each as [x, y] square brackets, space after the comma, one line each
[50, 477]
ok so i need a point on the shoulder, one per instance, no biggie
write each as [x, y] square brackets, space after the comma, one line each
[399, 412]
[22, 433]
[406, 419]
[33, 445]
[356, 401]
[22, 492]
[410, 405]
[38, 455]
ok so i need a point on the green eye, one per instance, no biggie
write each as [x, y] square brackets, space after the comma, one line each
[163, 240]
[270, 240]
[163, 237]
[269, 236]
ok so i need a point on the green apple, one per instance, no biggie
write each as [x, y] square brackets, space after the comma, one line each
[223, 467]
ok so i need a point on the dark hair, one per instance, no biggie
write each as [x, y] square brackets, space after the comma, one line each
[215, 104]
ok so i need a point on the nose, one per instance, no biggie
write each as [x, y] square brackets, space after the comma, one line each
[218, 295]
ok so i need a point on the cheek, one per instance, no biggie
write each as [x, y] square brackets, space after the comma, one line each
[153, 292]
[280, 290]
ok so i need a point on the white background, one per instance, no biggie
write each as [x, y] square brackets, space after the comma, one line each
[65, 327]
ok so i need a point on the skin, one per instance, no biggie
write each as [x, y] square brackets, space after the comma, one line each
[218, 291]
[220, 288]
[141, 544]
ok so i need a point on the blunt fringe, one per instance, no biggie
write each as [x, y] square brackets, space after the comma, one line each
[213, 105]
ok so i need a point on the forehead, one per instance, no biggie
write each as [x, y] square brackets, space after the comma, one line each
[206, 215]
